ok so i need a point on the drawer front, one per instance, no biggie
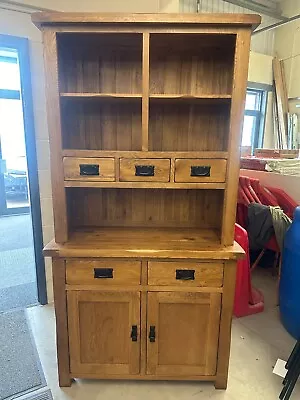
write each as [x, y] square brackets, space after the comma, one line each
[96, 272]
[185, 273]
[89, 169]
[200, 170]
[154, 170]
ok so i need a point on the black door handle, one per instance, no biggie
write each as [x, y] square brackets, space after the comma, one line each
[89, 169]
[185, 274]
[144, 170]
[152, 334]
[134, 333]
[200, 170]
[103, 273]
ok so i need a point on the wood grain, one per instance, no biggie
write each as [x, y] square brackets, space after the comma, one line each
[102, 125]
[145, 103]
[236, 125]
[201, 65]
[45, 18]
[100, 63]
[145, 243]
[99, 329]
[161, 170]
[55, 136]
[106, 169]
[145, 154]
[62, 335]
[181, 319]
[206, 274]
[225, 325]
[81, 272]
[188, 127]
[183, 170]
[145, 208]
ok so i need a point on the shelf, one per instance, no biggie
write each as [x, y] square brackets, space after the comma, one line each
[100, 95]
[189, 97]
[144, 154]
[143, 185]
[144, 242]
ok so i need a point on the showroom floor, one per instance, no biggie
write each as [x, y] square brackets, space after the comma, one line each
[17, 263]
[257, 342]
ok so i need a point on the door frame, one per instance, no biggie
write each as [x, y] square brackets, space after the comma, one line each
[22, 46]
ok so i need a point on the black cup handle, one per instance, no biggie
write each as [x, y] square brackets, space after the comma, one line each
[200, 170]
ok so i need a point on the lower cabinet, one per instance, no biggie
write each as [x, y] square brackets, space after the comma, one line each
[185, 332]
[104, 333]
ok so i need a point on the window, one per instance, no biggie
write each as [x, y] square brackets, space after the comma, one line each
[254, 119]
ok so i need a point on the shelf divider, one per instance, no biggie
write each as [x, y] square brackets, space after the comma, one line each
[145, 100]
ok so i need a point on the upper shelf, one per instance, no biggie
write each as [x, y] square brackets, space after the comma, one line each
[87, 95]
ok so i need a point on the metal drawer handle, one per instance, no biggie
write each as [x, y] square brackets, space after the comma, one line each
[152, 334]
[185, 274]
[103, 273]
[89, 169]
[144, 170]
[200, 170]
[134, 333]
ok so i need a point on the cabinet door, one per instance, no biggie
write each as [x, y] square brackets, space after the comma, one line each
[104, 332]
[183, 331]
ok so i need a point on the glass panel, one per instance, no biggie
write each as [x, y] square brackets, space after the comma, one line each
[9, 70]
[248, 130]
[253, 101]
[13, 153]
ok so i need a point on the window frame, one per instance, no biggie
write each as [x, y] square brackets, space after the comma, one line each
[262, 91]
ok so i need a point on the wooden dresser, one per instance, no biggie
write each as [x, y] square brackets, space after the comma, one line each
[145, 115]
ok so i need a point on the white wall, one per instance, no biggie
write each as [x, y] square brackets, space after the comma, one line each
[287, 46]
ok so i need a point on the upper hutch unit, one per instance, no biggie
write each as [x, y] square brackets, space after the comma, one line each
[145, 115]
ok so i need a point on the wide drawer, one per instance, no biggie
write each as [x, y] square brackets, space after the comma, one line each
[89, 169]
[185, 273]
[146, 169]
[200, 170]
[95, 272]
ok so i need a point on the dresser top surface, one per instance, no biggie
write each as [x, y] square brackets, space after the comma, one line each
[47, 18]
[144, 243]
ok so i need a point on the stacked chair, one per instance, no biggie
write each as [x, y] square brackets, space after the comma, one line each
[249, 300]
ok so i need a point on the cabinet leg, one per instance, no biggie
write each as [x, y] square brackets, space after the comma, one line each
[64, 380]
[62, 339]
[221, 382]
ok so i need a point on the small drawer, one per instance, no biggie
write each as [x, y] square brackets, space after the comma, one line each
[95, 272]
[150, 169]
[200, 170]
[185, 273]
[89, 169]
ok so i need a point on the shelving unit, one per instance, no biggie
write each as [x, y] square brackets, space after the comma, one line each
[145, 115]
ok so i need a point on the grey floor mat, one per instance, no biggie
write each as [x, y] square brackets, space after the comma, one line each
[41, 396]
[18, 296]
[20, 368]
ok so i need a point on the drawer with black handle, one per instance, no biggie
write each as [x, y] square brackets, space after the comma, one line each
[167, 273]
[145, 169]
[89, 169]
[198, 170]
[87, 271]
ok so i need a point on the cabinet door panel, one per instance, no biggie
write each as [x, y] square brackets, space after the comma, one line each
[100, 327]
[186, 333]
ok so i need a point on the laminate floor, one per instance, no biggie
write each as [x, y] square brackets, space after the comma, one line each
[257, 342]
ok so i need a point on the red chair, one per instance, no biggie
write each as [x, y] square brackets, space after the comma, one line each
[248, 300]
